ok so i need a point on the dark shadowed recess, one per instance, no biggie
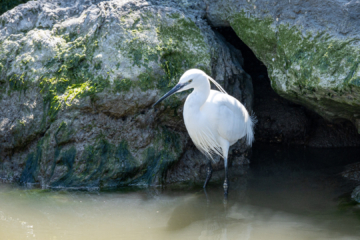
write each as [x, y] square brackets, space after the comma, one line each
[281, 121]
[6, 5]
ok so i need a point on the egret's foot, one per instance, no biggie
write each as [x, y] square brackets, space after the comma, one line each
[208, 175]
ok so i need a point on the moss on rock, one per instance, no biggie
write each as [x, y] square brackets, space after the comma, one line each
[108, 165]
[314, 69]
[152, 53]
[100, 62]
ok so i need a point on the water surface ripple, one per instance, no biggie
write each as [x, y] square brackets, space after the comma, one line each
[287, 193]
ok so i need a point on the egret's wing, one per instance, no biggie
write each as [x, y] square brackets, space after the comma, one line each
[231, 125]
[230, 116]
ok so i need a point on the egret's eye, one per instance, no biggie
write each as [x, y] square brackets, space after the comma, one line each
[190, 80]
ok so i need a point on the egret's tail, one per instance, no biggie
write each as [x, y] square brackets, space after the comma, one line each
[250, 129]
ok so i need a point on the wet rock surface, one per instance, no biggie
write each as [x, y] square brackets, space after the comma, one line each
[310, 48]
[192, 167]
[356, 194]
[311, 53]
[77, 81]
[282, 121]
[352, 172]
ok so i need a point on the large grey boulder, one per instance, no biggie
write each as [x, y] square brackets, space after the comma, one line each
[310, 48]
[77, 81]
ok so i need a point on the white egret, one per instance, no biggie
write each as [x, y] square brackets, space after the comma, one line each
[213, 119]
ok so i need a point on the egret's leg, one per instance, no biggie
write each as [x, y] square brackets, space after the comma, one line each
[225, 150]
[208, 173]
[226, 181]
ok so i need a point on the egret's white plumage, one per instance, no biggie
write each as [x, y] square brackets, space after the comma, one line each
[213, 119]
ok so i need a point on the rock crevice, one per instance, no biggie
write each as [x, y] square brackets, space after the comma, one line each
[78, 80]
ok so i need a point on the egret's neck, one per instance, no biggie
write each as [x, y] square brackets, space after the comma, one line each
[198, 97]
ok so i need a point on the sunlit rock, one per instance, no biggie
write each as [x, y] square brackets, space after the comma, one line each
[77, 81]
[311, 49]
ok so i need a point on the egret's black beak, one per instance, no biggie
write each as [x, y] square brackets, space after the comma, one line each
[171, 92]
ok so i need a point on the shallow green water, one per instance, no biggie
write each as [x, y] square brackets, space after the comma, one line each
[287, 193]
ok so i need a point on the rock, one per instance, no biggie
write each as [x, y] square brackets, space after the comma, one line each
[77, 81]
[285, 122]
[192, 167]
[310, 48]
[352, 172]
[356, 194]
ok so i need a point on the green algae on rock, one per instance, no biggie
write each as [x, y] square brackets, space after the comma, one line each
[81, 78]
[314, 70]
[311, 50]
[148, 50]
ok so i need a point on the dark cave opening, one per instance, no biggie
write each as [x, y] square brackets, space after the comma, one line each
[281, 121]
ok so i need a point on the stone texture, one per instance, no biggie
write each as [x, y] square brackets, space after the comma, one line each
[310, 48]
[352, 172]
[356, 194]
[77, 81]
[282, 121]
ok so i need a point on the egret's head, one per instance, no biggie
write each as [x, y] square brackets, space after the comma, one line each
[190, 79]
